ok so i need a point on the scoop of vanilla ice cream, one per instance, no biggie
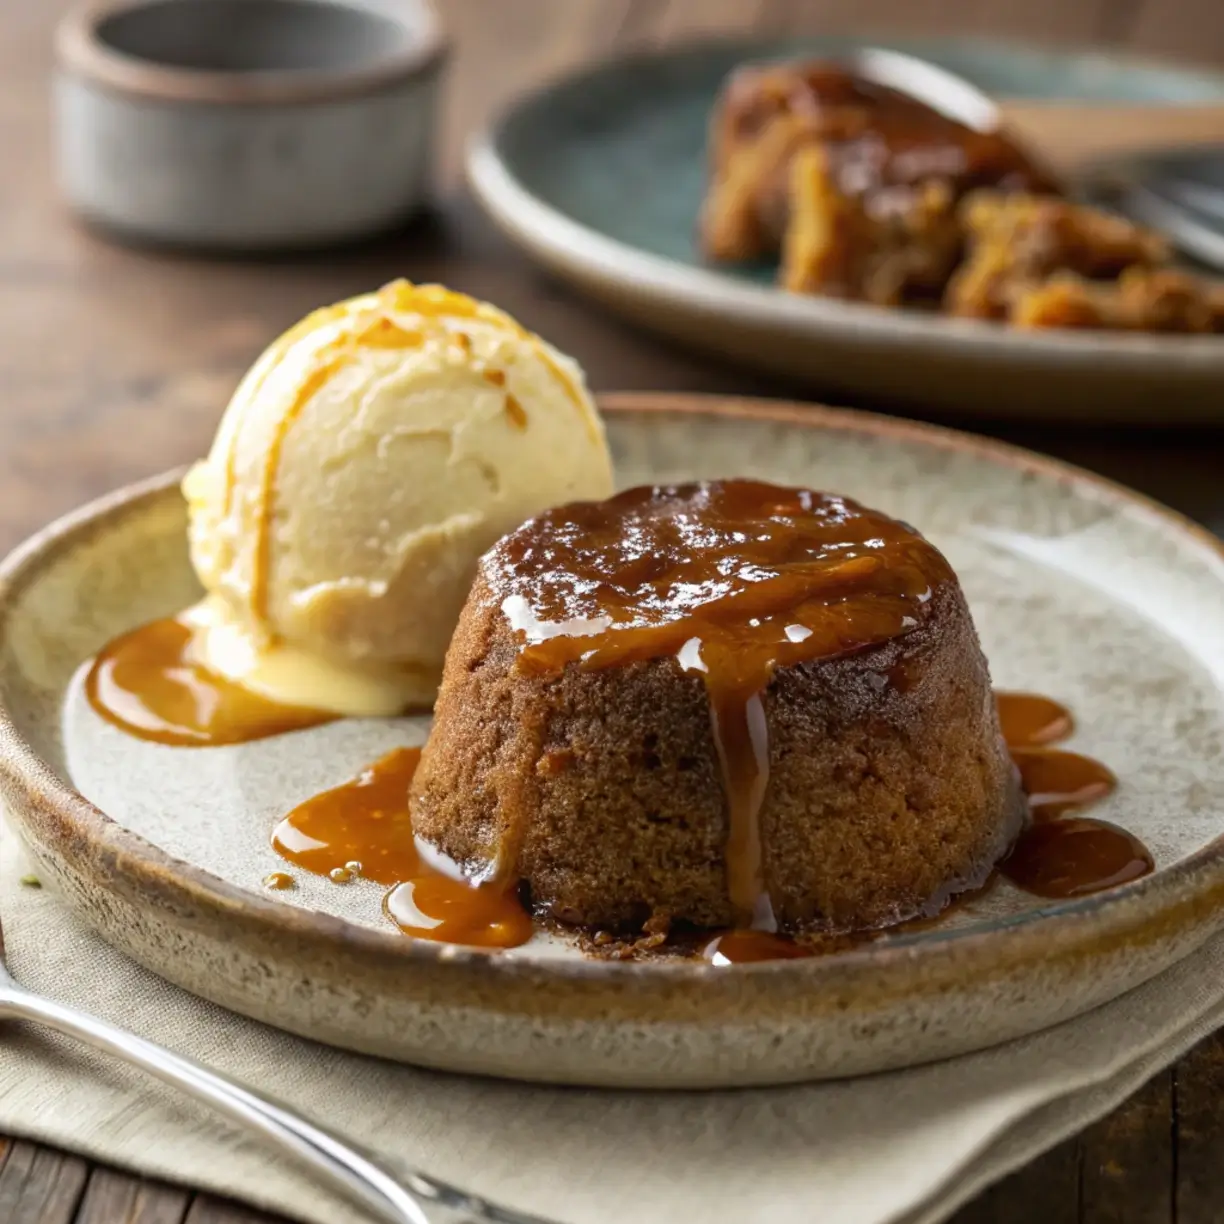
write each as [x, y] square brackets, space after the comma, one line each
[365, 462]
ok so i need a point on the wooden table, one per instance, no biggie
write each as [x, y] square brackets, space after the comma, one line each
[115, 364]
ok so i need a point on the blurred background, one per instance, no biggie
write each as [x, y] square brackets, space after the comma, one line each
[123, 359]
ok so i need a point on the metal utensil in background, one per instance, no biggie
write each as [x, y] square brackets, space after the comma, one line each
[1179, 191]
[331, 1160]
[939, 88]
[1181, 194]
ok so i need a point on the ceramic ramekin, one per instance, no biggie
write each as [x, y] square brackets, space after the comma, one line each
[247, 124]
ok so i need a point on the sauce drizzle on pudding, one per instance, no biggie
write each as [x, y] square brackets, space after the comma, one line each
[734, 579]
[148, 684]
[884, 143]
[363, 828]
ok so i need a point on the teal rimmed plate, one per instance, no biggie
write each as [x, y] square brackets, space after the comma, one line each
[600, 177]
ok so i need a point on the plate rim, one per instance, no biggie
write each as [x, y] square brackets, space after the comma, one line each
[1185, 894]
[576, 249]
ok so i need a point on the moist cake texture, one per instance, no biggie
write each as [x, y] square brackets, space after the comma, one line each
[724, 704]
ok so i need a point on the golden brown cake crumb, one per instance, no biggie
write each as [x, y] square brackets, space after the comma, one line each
[1016, 243]
[870, 195]
[903, 247]
[1041, 263]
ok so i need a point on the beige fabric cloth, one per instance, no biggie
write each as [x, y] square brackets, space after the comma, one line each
[903, 1148]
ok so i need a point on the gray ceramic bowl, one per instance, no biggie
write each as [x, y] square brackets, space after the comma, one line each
[247, 124]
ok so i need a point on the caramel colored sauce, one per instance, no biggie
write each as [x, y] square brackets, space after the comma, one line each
[1075, 856]
[364, 828]
[1058, 782]
[1029, 720]
[385, 333]
[516, 413]
[451, 911]
[310, 387]
[747, 947]
[438, 302]
[880, 139]
[1061, 855]
[147, 684]
[734, 579]
[278, 880]
[363, 822]
[265, 366]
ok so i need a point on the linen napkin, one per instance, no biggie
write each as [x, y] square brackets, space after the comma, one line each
[907, 1147]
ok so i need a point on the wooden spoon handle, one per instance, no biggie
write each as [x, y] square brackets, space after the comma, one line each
[1069, 134]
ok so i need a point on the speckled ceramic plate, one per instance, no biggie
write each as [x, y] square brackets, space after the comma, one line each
[1081, 590]
[601, 178]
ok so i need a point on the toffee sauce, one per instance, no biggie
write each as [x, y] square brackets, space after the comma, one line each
[1061, 855]
[148, 684]
[363, 828]
[734, 579]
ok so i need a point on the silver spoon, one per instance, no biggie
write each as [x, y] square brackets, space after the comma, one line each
[1158, 191]
[940, 88]
[330, 1159]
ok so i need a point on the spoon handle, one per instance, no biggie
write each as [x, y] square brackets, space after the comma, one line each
[1072, 135]
[344, 1168]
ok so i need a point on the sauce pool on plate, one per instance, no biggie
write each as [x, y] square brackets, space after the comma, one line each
[148, 684]
[1060, 855]
[363, 828]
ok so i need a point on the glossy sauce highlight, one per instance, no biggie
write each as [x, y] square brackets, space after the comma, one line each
[1062, 854]
[363, 828]
[148, 684]
[734, 579]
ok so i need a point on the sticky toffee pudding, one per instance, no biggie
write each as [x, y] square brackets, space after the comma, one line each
[676, 707]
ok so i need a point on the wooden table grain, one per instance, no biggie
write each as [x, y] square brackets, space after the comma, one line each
[115, 364]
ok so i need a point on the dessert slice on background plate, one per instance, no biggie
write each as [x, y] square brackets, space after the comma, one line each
[601, 177]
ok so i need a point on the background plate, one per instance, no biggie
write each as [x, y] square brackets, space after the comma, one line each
[601, 176]
[1080, 589]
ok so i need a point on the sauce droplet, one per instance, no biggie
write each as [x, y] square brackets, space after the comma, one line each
[364, 821]
[1029, 720]
[1060, 855]
[278, 880]
[365, 824]
[1057, 782]
[1075, 856]
[747, 947]
[433, 906]
[147, 684]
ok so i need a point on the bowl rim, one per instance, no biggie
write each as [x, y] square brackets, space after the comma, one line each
[81, 54]
[1186, 894]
